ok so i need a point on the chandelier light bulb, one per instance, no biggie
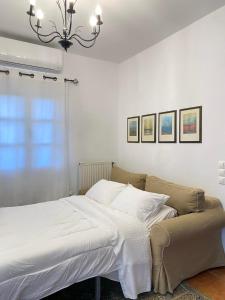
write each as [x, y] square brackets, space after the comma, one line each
[71, 3]
[98, 10]
[32, 2]
[40, 14]
[93, 21]
[71, 9]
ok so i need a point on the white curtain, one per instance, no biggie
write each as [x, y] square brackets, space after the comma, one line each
[33, 141]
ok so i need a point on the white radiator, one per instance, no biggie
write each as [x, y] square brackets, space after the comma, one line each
[90, 173]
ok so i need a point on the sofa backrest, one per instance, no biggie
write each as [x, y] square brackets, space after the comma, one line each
[122, 176]
[184, 199]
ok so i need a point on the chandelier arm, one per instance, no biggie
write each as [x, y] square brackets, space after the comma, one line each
[75, 35]
[44, 35]
[49, 41]
[83, 44]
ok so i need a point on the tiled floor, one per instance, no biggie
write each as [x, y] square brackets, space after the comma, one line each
[210, 283]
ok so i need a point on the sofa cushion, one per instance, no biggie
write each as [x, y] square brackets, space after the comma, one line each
[122, 176]
[184, 199]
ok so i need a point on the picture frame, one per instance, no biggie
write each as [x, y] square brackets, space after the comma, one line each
[190, 125]
[148, 128]
[133, 124]
[167, 127]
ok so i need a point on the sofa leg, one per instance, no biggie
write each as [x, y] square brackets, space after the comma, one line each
[97, 288]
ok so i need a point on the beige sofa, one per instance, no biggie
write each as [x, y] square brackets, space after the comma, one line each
[187, 244]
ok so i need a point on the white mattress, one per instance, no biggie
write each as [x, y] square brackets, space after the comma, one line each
[48, 246]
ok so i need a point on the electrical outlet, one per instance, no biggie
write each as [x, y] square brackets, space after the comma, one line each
[221, 172]
[222, 180]
[221, 164]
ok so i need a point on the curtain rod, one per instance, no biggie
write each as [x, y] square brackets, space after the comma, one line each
[5, 71]
[26, 74]
[31, 75]
[49, 77]
[74, 81]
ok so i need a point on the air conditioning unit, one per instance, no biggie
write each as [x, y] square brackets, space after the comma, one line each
[29, 56]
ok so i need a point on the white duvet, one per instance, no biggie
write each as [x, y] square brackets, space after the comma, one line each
[48, 246]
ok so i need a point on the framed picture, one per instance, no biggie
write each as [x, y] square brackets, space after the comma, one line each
[167, 127]
[191, 125]
[133, 129]
[148, 128]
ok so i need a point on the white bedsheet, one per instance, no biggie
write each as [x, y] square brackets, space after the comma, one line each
[46, 247]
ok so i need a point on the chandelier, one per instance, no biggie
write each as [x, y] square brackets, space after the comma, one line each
[66, 35]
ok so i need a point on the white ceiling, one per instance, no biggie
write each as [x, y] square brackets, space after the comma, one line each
[130, 26]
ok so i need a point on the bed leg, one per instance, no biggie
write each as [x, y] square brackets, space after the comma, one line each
[97, 288]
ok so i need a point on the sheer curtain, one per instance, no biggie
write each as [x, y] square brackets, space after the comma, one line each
[33, 141]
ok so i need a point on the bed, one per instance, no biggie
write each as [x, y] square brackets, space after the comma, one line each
[48, 246]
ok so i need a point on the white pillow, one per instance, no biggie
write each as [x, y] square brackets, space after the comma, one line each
[137, 203]
[105, 191]
[166, 212]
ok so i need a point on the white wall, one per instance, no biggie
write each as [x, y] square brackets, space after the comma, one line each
[187, 69]
[93, 110]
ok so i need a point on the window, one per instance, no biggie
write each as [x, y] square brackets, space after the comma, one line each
[30, 134]
[43, 131]
[12, 133]
[34, 154]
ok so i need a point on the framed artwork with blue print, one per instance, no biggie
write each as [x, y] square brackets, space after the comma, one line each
[167, 132]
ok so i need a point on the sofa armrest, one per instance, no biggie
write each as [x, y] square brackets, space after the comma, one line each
[186, 245]
[212, 202]
[186, 226]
